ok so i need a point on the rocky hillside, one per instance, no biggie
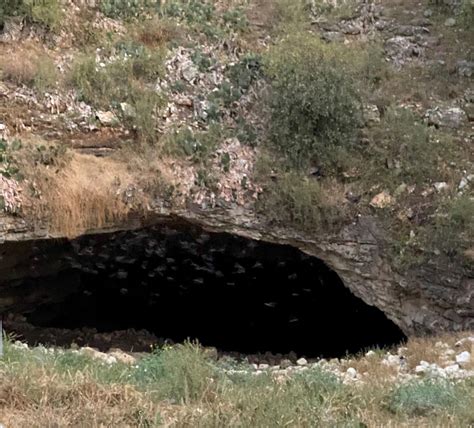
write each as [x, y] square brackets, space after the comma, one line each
[343, 128]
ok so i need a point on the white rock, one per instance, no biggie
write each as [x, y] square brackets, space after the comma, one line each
[351, 372]
[369, 353]
[302, 362]
[441, 186]
[254, 366]
[463, 358]
[453, 368]
[263, 366]
[463, 183]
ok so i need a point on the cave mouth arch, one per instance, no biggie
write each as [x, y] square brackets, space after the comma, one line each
[228, 292]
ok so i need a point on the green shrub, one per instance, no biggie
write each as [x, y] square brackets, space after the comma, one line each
[314, 106]
[421, 397]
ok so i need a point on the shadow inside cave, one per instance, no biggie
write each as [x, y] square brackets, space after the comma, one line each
[225, 291]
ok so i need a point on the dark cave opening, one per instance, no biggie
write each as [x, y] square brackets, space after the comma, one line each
[231, 293]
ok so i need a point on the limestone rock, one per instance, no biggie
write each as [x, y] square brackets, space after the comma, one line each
[446, 117]
[401, 49]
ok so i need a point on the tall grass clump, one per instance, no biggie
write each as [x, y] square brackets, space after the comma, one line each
[181, 373]
[421, 397]
[314, 105]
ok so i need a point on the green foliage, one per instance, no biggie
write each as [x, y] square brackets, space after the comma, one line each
[454, 227]
[248, 70]
[181, 373]
[403, 150]
[197, 146]
[314, 106]
[421, 397]
[292, 199]
[127, 9]
[46, 13]
[204, 18]
[8, 164]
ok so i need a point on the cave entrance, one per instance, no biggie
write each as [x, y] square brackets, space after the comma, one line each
[225, 291]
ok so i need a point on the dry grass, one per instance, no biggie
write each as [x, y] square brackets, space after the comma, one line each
[18, 68]
[28, 65]
[41, 398]
[74, 193]
[158, 32]
[85, 195]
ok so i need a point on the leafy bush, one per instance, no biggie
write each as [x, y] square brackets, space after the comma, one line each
[425, 396]
[314, 105]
